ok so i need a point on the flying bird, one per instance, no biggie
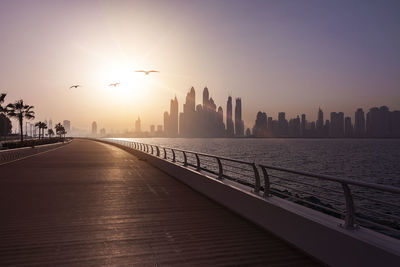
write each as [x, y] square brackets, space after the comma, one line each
[75, 86]
[113, 84]
[147, 72]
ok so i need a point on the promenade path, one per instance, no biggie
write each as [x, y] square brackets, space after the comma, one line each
[92, 204]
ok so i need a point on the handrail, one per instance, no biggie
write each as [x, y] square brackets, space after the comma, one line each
[386, 188]
[225, 170]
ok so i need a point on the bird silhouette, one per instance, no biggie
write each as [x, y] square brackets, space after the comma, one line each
[75, 86]
[113, 84]
[147, 72]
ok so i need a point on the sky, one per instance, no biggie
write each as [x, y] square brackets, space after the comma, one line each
[291, 56]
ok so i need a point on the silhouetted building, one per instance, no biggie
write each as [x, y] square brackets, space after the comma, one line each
[159, 129]
[336, 128]
[187, 118]
[239, 124]
[94, 128]
[102, 132]
[303, 125]
[67, 126]
[229, 120]
[359, 123]
[320, 123]
[348, 127]
[50, 126]
[138, 126]
[260, 128]
[294, 127]
[171, 119]
[283, 124]
[248, 132]
[152, 129]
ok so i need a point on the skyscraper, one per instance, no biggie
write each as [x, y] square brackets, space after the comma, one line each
[229, 121]
[188, 117]
[359, 123]
[173, 117]
[348, 127]
[239, 124]
[67, 125]
[94, 128]
[320, 122]
[138, 126]
[283, 124]
[303, 125]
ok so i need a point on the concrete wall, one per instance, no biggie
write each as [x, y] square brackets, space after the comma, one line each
[317, 234]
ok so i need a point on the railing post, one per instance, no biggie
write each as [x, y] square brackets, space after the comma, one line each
[257, 184]
[267, 183]
[165, 153]
[147, 148]
[220, 169]
[158, 151]
[198, 163]
[152, 150]
[184, 158]
[349, 219]
[173, 155]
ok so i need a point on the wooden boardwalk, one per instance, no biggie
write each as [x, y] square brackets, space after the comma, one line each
[92, 204]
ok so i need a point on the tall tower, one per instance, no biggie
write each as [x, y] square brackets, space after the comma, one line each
[229, 121]
[206, 96]
[173, 117]
[239, 125]
[94, 128]
[320, 120]
[359, 123]
[138, 125]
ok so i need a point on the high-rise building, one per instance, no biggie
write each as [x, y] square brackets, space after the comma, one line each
[320, 122]
[229, 121]
[260, 128]
[348, 127]
[283, 124]
[138, 126]
[67, 125]
[359, 123]
[239, 124]
[173, 117]
[94, 128]
[187, 118]
[152, 129]
[336, 128]
[303, 125]
[50, 124]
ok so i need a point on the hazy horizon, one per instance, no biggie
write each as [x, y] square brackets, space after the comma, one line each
[277, 56]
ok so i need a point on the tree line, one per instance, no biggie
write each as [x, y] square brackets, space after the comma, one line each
[21, 111]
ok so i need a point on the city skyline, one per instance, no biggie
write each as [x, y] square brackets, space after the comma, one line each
[276, 55]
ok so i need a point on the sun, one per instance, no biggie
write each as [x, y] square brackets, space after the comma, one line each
[131, 85]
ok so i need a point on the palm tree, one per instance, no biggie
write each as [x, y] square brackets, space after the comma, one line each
[44, 126]
[20, 111]
[39, 125]
[60, 130]
[2, 96]
[50, 132]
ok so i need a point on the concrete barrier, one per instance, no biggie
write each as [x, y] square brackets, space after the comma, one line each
[19, 153]
[315, 233]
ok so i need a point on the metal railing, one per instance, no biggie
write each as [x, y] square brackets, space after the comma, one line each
[371, 205]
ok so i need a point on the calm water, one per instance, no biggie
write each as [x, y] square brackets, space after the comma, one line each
[371, 160]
